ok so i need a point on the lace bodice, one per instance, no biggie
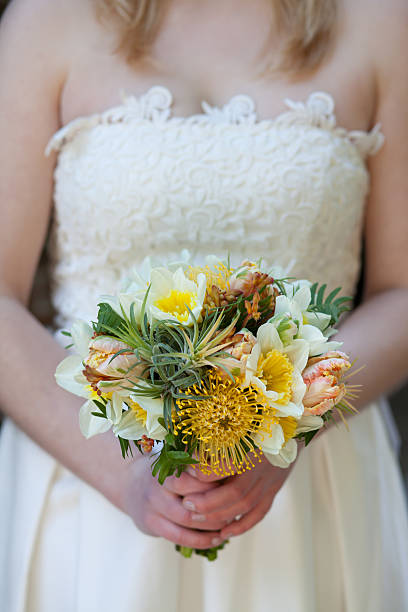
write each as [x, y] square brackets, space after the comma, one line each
[136, 181]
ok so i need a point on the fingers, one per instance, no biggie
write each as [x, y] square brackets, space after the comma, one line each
[242, 507]
[250, 519]
[161, 526]
[186, 484]
[169, 506]
[231, 492]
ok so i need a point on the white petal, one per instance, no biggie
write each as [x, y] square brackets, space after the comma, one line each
[252, 363]
[81, 336]
[269, 339]
[302, 298]
[69, 376]
[298, 353]
[319, 319]
[289, 409]
[286, 456]
[270, 443]
[161, 284]
[333, 345]
[154, 409]
[282, 305]
[298, 387]
[309, 423]
[129, 427]
[202, 288]
[257, 382]
[89, 424]
[114, 408]
[182, 283]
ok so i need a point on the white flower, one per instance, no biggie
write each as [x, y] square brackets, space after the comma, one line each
[129, 417]
[92, 425]
[276, 370]
[141, 418]
[285, 326]
[134, 287]
[286, 455]
[172, 295]
[69, 374]
[309, 422]
[310, 324]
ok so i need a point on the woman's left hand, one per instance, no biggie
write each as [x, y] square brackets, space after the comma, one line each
[241, 501]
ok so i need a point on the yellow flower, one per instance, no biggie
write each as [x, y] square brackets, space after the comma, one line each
[172, 296]
[223, 423]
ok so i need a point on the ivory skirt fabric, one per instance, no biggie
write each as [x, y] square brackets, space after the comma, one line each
[336, 538]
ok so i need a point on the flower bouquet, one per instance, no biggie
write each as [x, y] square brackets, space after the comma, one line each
[210, 366]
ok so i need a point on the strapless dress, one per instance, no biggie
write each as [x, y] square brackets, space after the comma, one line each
[136, 181]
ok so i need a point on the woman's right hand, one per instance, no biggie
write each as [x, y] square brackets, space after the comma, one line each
[158, 510]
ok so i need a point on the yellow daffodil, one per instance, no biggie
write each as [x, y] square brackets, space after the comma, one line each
[172, 296]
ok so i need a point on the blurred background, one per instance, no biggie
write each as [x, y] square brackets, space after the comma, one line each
[41, 307]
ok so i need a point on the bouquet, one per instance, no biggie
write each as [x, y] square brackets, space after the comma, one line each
[210, 366]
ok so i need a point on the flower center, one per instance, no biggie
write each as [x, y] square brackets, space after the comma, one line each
[141, 414]
[276, 372]
[97, 396]
[222, 424]
[95, 358]
[217, 275]
[177, 304]
[288, 425]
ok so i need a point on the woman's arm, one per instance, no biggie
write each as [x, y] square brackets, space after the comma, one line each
[37, 40]
[377, 332]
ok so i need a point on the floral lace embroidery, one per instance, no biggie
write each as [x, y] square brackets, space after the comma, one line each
[155, 106]
[135, 181]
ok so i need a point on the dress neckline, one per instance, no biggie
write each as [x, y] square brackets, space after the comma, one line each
[155, 106]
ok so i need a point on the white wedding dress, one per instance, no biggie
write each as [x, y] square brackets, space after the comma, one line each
[136, 181]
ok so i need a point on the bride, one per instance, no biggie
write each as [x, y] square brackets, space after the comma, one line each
[254, 128]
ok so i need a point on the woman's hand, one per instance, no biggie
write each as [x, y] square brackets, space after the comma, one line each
[239, 502]
[158, 510]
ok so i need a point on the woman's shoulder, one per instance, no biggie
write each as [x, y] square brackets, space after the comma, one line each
[381, 25]
[52, 28]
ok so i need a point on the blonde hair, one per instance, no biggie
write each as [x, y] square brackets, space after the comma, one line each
[307, 28]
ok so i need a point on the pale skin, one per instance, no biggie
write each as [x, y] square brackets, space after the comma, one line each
[202, 52]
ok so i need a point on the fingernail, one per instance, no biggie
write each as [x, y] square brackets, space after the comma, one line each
[198, 517]
[216, 541]
[189, 505]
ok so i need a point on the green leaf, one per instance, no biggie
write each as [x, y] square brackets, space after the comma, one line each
[125, 447]
[181, 457]
[329, 305]
[185, 551]
[108, 319]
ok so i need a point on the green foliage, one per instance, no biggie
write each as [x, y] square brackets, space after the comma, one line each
[102, 409]
[125, 447]
[210, 553]
[329, 305]
[237, 311]
[307, 436]
[108, 320]
[174, 457]
[176, 356]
